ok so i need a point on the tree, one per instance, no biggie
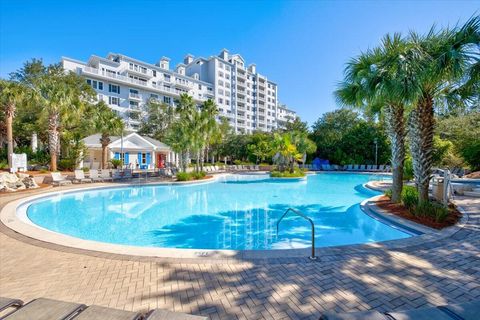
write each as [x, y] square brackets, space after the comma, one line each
[375, 82]
[184, 136]
[443, 59]
[11, 94]
[208, 127]
[285, 151]
[58, 99]
[296, 125]
[107, 122]
[159, 120]
[343, 137]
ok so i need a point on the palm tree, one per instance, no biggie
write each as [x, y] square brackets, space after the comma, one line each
[376, 82]
[209, 126]
[446, 57]
[61, 96]
[183, 136]
[286, 152]
[107, 123]
[10, 94]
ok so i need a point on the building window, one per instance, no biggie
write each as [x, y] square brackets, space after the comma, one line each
[199, 87]
[220, 82]
[113, 88]
[167, 100]
[220, 91]
[144, 158]
[114, 100]
[227, 102]
[154, 73]
[220, 100]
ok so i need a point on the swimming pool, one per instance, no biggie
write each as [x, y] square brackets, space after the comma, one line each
[237, 212]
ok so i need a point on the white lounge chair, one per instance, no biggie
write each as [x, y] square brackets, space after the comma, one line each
[105, 175]
[93, 174]
[80, 177]
[349, 167]
[362, 167]
[59, 180]
[381, 168]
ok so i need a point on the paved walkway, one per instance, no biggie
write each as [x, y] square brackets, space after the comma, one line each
[377, 277]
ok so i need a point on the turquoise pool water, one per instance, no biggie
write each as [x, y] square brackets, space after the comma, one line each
[234, 212]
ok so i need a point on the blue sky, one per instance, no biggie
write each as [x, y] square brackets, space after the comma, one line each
[302, 45]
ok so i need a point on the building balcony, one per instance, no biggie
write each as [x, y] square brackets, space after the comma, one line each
[134, 96]
[139, 72]
[184, 85]
[118, 77]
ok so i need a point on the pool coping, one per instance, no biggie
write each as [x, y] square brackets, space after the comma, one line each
[10, 219]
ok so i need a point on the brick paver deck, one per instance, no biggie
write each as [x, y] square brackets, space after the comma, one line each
[432, 273]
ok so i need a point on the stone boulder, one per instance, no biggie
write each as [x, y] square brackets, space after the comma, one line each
[14, 182]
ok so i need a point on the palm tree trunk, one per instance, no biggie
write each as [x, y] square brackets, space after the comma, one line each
[9, 112]
[53, 140]
[105, 141]
[395, 125]
[421, 127]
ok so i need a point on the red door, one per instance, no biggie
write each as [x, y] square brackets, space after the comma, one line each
[160, 160]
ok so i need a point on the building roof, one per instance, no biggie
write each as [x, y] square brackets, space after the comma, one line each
[93, 141]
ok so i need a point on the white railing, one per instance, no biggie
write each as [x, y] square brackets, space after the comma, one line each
[134, 96]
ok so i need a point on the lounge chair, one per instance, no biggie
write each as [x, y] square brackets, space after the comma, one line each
[388, 168]
[105, 175]
[59, 180]
[127, 174]
[116, 175]
[349, 167]
[98, 312]
[94, 176]
[381, 168]
[6, 303]
[46, 309]
[159, 314]
[362, 167]
[257, 167]
[370, 167]
[80, 177]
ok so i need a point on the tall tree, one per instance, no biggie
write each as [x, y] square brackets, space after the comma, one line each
[375, 82]
[108, 123]
[446, 56]
[11, 93]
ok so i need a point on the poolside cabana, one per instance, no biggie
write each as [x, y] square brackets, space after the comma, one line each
[136, 151]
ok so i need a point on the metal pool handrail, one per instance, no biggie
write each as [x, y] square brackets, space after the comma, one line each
[312, 257]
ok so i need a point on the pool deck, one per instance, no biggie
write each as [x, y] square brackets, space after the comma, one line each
[434, 269]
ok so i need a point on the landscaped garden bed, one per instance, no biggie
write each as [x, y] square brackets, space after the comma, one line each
[191, 176]
[430, 214]
[288, 174]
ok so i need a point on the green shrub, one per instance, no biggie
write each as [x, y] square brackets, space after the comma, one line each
[3, 164]
[66, 164]
[116, 163]
[408, 169]
[287, 174]
[198, 175]
[184, 176]
[85, 169]
[409, 197]
[388, 193]
[432, 210]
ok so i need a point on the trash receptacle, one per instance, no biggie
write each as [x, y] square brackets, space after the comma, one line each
[437, 188]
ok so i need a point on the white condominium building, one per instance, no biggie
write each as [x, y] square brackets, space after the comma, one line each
[248, 99]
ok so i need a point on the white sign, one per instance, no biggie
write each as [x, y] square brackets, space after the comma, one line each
[19, 162]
